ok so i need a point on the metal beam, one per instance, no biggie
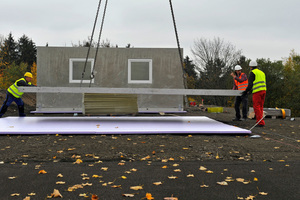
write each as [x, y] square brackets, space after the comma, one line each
[156, 91]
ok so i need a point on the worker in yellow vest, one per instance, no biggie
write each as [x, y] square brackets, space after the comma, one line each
[257, 84]
[240, 83]
[13, 94]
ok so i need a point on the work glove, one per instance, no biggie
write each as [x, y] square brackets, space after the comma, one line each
[244, 93]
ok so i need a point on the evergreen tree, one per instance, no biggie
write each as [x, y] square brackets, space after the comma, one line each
[8, 51]
[26, 51]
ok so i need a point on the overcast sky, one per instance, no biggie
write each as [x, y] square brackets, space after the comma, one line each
[260, 28]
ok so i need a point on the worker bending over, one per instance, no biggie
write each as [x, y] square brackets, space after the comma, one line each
[13, 94]
[257, 83]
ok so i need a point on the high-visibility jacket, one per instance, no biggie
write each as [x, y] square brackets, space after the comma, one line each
[243, 85]
[259, 84]
[14, 88]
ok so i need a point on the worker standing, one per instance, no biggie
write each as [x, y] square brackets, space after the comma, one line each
[13, 94]
[240, 83]
[257, 83]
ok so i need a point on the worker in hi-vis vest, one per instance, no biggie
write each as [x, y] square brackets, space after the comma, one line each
[13, 94]
[257, 83]
[240, 83]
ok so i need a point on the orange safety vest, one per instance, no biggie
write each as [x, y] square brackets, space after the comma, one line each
[242, 85]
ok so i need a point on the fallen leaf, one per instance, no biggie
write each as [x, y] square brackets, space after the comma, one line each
[190, 175]
[78, 161]
[204, 186]
[11, 178]
[172, 177]
[202, 168]
[157, 183]
[75, 187]
[263, 193]
[250, 197]
[222, 183]
[26, 198]
[94, 197]
[177, 170]
[56, 193]
[116, 186]
[164, 167]
[128, 195]
[146, 158]
[133, 170]
[209, 172]
[83, 195]
[87, 184]
[123, 177]
[15, 194]
[31, 194]
[240, 179]
[139, 187]
[255, 179]
[60, 175]
[60, 182]
[42, 172]
[104, 168]
[149, 196]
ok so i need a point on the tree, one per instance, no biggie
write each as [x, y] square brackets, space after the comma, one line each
[291, 86]
[8, 51]
[215, 60]
[26, 51]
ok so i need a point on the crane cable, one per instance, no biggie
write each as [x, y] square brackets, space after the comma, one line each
[91, 40]
[178, 45]
[180, 55]
[98, 43]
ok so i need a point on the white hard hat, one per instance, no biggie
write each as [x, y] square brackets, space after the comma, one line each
[253, 64]
[237, 67]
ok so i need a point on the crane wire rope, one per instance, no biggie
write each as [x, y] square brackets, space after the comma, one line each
[91, 40]
[179, 51]
[98, 44]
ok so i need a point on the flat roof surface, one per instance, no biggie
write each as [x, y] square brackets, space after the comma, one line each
[117, 125]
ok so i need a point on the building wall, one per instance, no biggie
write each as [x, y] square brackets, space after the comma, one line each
[111, 70]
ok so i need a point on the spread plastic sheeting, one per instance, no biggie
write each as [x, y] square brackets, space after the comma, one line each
[117, 125]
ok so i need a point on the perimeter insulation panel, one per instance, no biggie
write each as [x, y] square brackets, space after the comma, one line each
[117, 125]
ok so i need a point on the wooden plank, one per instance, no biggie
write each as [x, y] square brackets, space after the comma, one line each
[150, 91]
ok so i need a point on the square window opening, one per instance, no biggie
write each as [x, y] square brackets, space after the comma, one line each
[140, 71]
[76, 66]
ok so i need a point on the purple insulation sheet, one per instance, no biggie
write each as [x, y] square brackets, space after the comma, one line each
[116, 125]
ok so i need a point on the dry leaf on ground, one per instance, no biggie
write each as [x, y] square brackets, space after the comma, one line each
[149, 196]
[157, 183]
[56, 193]
[139, 187]
[94, 197]
[42, 172]
[222, 183]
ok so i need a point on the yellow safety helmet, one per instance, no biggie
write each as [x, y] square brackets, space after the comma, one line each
[28, 74]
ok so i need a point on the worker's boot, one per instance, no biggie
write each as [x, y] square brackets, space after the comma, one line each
[21, 111]
[3, 110]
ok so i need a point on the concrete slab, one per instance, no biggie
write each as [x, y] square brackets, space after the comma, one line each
[116, 125]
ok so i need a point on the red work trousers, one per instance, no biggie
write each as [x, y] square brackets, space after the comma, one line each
[258, 105]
